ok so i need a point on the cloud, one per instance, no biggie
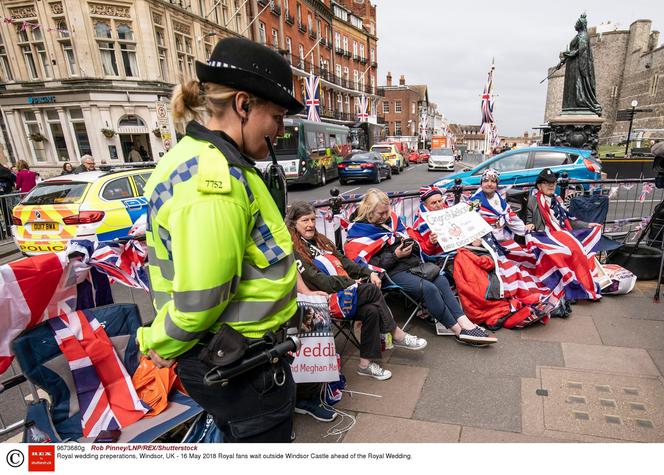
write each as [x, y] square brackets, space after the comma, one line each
[449, 47]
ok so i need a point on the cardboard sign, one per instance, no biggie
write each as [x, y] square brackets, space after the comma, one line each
[456, 226]
[316, 360]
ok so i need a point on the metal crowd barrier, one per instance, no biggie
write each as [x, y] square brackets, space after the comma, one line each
[7, 203]
[631, 204]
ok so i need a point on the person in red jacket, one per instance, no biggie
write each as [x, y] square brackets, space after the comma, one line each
[26, 179]
[432, 198]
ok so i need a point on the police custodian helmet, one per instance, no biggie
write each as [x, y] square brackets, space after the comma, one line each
[248, 66]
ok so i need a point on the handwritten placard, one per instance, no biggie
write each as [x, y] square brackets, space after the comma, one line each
[456, 226]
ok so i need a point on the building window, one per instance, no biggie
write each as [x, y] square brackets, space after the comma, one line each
[289, 47]
[340, 107]
[345, 43]
[310, 22]
[67, 48]
[397, 107]
[373, 85]
[397, 128]
[275, 38]
[386, 107]
[362, 52]
[319, 30]
[348, 104]
[286, 8]
[301, 60]
[224, 11]
[372, 54]
[238, 17]
[354, 49]
[109, 45]
[412, 107]
[299, 14]
[162, 52]
[185, 55]
[337, 70]
[79, 131]
[261, 32]
[337, 40]
[31, 121]
[5, 69]
[653, 84]
[356, 79]
[57, 135]
[32, 46]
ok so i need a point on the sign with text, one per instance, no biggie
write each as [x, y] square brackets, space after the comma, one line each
[316, 360]
[456, 226]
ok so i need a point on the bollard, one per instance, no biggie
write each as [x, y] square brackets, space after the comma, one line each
[457, 190]
[563, 183]
[335, 204]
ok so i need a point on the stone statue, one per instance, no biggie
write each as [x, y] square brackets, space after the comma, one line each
[579, 93]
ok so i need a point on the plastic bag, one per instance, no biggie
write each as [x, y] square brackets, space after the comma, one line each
[153, 385]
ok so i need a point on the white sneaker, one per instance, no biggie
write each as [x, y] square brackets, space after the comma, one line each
[410, 342]
[375, 371]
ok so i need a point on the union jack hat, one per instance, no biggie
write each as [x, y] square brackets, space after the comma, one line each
[490, 174]
[428, 191]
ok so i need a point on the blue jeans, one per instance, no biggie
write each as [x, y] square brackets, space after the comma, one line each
[437, 296]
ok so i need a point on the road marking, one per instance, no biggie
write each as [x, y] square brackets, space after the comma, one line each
[411, 168]
[352, 189]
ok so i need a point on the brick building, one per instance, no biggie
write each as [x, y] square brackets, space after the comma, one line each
[335, 40]
[406, 111]
[629, 65]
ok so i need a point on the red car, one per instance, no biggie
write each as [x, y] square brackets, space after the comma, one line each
[423, 156]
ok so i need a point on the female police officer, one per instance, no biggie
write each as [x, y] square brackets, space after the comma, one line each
[219, 251]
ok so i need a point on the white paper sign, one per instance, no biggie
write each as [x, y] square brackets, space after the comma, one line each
[316, 360]
[456, 226]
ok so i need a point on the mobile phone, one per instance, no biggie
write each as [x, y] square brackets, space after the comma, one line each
[109, 436]
[407, 242]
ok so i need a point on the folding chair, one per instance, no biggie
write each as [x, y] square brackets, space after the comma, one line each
[390, 288]
[345, 327]
[43, 364]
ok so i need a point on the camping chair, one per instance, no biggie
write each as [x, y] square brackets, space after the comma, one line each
[390, 288]
[345, 327]
[43, 364]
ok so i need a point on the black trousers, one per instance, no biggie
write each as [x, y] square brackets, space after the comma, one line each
[251, 408]
[376, 318]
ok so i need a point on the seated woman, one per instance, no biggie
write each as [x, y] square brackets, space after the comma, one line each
[496, 211]
[315, 252]
[379, 238]
[569, 272]
[431, 199]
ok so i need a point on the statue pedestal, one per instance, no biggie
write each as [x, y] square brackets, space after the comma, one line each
[576, 130]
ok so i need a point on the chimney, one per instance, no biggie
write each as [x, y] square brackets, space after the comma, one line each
[402, 80]
[389, 79]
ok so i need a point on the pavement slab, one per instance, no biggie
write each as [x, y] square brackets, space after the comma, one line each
[475, 435]
[309, 430]
[630, 332]
[398, 395]
[471, 399]
[658, 357]
[573, 329]
[606, 405]
[634, 361]
[624, 306]
[385, 429]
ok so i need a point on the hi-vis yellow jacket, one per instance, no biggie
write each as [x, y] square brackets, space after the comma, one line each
[218, 248]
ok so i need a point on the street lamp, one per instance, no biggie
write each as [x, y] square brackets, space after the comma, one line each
[634, 103]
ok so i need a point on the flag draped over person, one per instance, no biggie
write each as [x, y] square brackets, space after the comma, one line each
[365, 239]
[312, 99]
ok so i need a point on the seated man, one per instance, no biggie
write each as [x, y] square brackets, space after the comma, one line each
[496, 211]
[564, 246]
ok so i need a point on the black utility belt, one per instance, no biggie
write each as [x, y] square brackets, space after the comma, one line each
[232, 354]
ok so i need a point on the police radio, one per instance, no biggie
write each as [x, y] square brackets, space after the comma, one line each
[275, 179]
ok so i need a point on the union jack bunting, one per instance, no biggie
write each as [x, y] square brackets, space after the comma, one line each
[312, 100]
[501, 218]
[106, 396]
[363, 114]
[487, 104]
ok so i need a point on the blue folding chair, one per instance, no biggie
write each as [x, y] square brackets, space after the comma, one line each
[389, 287]
[44, 365]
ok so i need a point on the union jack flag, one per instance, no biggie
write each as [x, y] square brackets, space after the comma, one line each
[312, 100]
[365, 240]
[504, 221]
[343, 304]
[487, 103]
[363, 114]
[106, 395]
[565, 261]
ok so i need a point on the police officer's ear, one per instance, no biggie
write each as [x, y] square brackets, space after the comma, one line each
[241, 106]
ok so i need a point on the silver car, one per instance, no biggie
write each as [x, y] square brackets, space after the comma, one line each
[441, 159]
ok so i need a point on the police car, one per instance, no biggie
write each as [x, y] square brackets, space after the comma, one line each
[97, 205]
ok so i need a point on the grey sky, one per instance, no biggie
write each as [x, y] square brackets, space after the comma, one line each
[448, 45]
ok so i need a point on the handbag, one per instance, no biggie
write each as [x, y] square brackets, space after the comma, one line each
[426, 270]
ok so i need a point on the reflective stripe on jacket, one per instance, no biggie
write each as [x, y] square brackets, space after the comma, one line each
[218, 248]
